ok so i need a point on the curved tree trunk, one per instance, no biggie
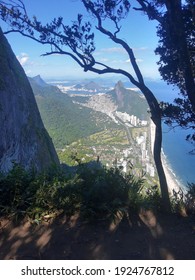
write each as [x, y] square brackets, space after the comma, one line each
[156, 118]
[159, 166]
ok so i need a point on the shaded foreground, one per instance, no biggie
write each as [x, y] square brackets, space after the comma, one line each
[145, 236]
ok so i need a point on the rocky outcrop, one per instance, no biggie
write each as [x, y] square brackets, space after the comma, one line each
[23, 138]
[129, 101]
[119, 91]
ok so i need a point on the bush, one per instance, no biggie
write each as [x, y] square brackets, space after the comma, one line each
[22, 193]
[152, 198]
[96, 193]
[190, 198]
[15, 191]
[54, 196]
[107, 193]
[184, 200]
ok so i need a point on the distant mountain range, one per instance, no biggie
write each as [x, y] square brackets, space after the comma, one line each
[119, 98]
[68, 119]
[91, 86]
[65, 121]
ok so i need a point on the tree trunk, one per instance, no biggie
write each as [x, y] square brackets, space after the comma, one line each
[156, 118]
[177, 31]
[159, 166]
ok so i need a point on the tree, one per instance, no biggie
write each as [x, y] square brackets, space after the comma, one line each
[176, 32]
[77, 42]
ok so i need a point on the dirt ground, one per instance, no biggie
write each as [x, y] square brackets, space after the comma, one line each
[141, 237]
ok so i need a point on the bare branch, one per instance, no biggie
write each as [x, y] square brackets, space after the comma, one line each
[65, 53]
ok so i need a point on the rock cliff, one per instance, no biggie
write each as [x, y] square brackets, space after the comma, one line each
[23, 138]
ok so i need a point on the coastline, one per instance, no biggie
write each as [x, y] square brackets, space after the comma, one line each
[172, 182]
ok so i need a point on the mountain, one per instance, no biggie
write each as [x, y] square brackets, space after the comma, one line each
[65, 120]
[118, 99]
[78, 86]
[39, 81]
[41, 88]
[129, 101]
[93, 86]
[24, 139]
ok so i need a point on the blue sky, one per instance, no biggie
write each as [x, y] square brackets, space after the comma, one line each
[136, 30]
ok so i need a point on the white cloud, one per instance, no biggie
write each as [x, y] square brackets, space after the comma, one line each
[112, 50]
[140, 49]
[118, 50]
[23, 58]
[104, 59]
[28, 72]
[138, 60]
[117, 61]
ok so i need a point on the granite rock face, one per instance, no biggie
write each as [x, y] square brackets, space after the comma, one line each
[23, 138]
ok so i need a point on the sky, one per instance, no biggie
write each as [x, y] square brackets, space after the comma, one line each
[137, 31]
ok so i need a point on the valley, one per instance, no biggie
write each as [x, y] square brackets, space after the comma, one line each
[91, 123]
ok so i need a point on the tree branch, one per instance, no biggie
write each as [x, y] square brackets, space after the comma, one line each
[149, 9]
[65, 53]
[117, 41]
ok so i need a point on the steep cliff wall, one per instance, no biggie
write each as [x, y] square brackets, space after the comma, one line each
[23, 138]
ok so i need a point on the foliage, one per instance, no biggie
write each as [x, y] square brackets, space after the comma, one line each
[190, 198]
[153, 199]
[184, 200]
[108, 193]
[176, 48]
[172, 64]
[23, 193]
[180, 114]
[15, 190]
[177, 64]
[97, 193]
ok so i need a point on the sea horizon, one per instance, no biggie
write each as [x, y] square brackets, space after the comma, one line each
[177, 155]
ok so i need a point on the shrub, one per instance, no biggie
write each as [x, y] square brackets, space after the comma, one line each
[94, 191]
[15, 190]
[152, 198]
[107, 193]
[190, 198]
[54, 196]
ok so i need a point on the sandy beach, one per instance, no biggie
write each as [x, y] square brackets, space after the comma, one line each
[171, 180]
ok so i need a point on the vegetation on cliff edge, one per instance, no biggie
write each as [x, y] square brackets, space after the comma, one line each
[95, 193]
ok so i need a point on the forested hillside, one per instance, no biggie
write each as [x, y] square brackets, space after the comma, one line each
[65, 121]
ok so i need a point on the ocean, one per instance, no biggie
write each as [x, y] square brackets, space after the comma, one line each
[178, 157]
[176, 149]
